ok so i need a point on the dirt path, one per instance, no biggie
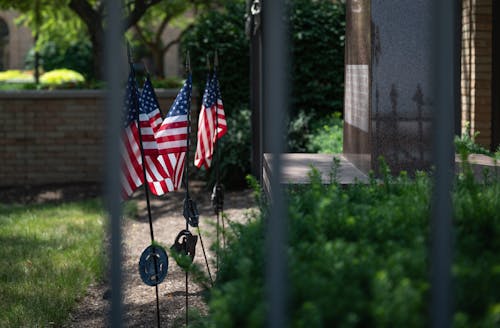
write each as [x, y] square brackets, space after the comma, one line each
[139, 299]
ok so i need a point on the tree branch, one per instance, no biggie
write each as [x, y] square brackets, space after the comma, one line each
[141, 34]
[177, 39]
[140, 7]
[91, 17]
[161, 28]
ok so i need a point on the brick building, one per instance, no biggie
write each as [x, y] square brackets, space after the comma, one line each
[15, 41]
[480, 70]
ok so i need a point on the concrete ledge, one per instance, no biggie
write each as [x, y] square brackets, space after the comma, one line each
[76, 93]
[479, 164]
[296, 168]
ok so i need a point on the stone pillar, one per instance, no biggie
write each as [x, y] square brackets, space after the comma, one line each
[387, 106]
[356, 146]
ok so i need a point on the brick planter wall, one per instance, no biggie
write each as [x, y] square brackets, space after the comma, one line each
[50, 137]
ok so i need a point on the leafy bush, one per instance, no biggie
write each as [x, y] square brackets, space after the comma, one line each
[76, 56]
[16, 76]
[24, 80]
[328, 135]
[17, 86]
[300, 132]
[168, 83]
[62, 76]
[318, 29]
[234, 152]
[317, 51]
[358, 257]
[307, 134]
[222, 31]
[467, 143]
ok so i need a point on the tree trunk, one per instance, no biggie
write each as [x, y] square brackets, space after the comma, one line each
[97, 39]
[158, 62]
[93, 19]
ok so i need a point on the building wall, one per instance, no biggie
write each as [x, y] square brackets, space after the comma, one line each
[20, 40]
[173, 65]
[50, 137]
[476, 63]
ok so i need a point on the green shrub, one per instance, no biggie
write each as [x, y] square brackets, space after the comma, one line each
[317, 52]
[223, 31]
[323, 135]
[234, 152]
[62, 77]
[317, 36]
[17, 86]
[328, 135]
[16, 76]
[76, 56]
[358, 257]
[467, 143]
[300, 132]
[168, 83]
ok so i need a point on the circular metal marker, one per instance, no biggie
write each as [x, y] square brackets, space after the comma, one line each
[153, 265]
[185, 243]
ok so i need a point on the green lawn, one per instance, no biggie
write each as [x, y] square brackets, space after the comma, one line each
[48, 256]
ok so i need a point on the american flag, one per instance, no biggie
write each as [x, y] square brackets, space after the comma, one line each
[158, 167]
[132, 176]
[212, 116]
[173, 132]
[221, 115]
[172, 136]
[149, 101]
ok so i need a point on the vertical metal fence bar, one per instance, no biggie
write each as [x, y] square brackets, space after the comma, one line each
[275, 95]
[444, 60]
[256, 98]
[457, 67]
[114, 70]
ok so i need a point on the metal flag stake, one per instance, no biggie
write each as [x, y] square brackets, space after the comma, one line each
[154, 252]
[218, 190]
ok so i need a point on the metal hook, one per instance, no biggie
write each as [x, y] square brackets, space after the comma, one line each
[255, 8]
[208, 62]
[129, 53]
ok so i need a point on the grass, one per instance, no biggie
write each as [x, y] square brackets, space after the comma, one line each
[48, 256]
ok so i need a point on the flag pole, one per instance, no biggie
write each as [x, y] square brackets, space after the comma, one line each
[148, 76]
[214, 193]
[218, 194]
[146, 189]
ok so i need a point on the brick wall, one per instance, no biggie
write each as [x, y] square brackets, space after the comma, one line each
[476, 62]
[50, 137]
